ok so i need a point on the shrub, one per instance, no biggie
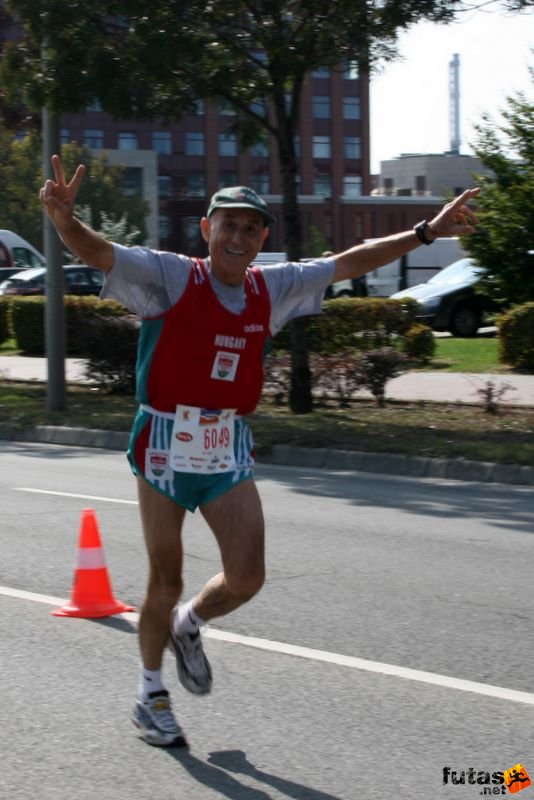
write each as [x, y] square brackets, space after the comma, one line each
[516, 337]
[113, 365]
[362, 323]
[5, 325]
[28, 322]
[419, 343]
[377, 367]
[27, 319]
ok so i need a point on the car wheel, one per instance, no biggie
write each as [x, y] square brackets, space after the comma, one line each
[465, 321]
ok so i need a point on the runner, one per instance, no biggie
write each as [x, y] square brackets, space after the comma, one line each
[199, 373]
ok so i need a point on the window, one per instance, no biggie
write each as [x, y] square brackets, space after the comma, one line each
[164, 225]
[352, 185]
[227, 144]
[93, 139]
[22, 257]
[351, 71]
[352, 146]
[321, 107]
[259, 107]
[261, 183]
[351, 108]
[321, 72]
[195, 184]
[191, 233]
[131, 181]
[194, 144]
[164, 186]
[226, 109]
[321, 147]
[260, 150]
[64, 136]
[322, 184]
[420, 183]
[227, 179]
[127, 140]
[199, 107]
[161, 142]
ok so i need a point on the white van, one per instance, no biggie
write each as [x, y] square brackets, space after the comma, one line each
[339, 289]
[17, 254]
[415, 267]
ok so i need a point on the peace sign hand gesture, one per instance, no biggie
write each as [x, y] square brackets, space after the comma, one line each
[59, 197]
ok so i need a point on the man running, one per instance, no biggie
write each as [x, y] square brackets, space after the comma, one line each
[199, 373]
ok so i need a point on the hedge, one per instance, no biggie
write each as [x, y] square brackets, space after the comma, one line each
[516, 337]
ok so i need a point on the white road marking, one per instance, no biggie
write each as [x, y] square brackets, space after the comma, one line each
[79, 496]
[434, 679]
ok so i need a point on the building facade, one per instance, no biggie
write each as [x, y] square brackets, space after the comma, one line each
[198, 155]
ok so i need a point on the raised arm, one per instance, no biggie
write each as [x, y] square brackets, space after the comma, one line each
[454, 219]
[58, 198]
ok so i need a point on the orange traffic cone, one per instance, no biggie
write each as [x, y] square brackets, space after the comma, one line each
[91, 594]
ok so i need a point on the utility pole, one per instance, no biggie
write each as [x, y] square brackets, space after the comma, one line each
[53, 251]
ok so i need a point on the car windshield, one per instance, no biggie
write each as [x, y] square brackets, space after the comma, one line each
[463, 271]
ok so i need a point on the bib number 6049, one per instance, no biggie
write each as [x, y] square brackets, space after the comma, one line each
[216, 437]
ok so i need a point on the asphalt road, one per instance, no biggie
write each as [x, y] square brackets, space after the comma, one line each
[393, 639]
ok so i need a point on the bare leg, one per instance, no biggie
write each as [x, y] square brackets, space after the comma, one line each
[236, 519]
[162, 522]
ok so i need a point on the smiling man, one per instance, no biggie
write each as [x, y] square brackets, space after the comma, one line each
[199, 372]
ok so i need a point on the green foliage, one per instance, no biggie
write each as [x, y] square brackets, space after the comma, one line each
[419, 343]
[318, 243]
[355, 323]
[506, 203]
[5, 322]
[20, 179]
[114, 367]
[28, 322]
[21, 176]
[516, 332]
[377, 367]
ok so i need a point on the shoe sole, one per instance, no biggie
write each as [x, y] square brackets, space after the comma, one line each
[183, 675]
[146, 736]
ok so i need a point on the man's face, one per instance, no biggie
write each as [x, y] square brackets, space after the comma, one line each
[234, 236]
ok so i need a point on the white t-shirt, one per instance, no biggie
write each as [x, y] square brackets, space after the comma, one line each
[150, 282]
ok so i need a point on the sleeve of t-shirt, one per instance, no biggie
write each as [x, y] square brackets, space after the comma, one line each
[297, 289]
[148, 282]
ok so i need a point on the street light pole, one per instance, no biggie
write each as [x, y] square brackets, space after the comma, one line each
[54, 307]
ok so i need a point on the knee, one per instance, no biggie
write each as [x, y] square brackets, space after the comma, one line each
[164, 589]
[245, 585]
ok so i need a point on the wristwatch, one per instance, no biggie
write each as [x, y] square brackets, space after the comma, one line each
[420, 232]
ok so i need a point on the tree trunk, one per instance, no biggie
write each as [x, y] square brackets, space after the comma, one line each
[300, 396]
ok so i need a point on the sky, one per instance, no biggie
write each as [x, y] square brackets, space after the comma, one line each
[410, 98]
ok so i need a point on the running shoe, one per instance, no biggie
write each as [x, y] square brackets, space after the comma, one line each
[194, 671]
[156, 722]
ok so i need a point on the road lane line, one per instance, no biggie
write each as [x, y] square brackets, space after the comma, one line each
[361, 664]
[79, 496]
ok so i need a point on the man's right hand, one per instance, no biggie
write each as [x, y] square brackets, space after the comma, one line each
[59, 197]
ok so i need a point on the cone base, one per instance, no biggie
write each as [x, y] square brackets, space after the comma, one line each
[92, 613]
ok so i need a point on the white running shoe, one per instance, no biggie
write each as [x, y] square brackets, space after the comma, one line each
[194, 671]
[156, 722]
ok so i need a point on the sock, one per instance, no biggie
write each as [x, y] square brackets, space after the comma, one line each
[186, 620]
[149, 681]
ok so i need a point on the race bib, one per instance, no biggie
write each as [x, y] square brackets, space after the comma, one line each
[202, 440]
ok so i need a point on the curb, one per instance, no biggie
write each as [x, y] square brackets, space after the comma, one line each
[458, 469]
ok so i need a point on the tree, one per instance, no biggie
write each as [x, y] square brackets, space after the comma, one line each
[21, 175]
[506, 205]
